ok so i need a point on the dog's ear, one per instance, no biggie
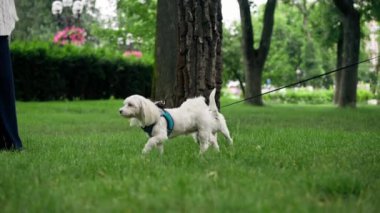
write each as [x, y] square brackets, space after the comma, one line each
[149, 112]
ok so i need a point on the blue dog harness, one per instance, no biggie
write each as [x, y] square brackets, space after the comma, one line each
[169, 122]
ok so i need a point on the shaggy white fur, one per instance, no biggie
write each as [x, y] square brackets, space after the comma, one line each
[192, 117]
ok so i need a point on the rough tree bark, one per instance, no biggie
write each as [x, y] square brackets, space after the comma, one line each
[350, 52]
[199, 59]
[166, 52]
[254, 59]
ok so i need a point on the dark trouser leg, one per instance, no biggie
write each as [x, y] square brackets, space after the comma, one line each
[9, 137]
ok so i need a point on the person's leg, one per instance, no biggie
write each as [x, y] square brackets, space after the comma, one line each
[9, 135]
[4, 143]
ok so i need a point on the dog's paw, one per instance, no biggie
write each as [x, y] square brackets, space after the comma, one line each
[144, 152]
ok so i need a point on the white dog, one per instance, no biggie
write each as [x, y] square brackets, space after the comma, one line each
[192, 117]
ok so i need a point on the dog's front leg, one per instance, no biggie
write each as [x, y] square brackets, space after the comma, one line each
[152, 142]
[214, 141]
[203, 138]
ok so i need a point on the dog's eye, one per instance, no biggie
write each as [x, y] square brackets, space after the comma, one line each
[130, 105]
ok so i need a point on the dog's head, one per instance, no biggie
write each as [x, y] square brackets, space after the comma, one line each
[138, 107]
[132, 107]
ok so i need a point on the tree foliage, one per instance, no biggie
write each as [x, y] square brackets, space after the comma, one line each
[254, 58]
[232, 62]
[292, 47]
[35, 20]
[139, 19]
[135, 18]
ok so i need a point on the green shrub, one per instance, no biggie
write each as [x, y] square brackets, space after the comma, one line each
[301, 95]
[364, 95]
[317, 96]
[45, 71]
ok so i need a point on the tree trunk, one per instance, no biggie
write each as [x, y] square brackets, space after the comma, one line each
[218, 31]
[166, 52]
[339, 64]
[377, 79]
[254, 59]
[351, 45]
[199, 59]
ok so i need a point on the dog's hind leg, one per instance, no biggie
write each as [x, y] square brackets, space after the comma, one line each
[224, 129]
[214, 141]
[195, 137]
[226, 134]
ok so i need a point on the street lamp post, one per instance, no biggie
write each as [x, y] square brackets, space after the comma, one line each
[299, 76]
[129, 42]
[130, 46]
[68, 14]
[64, 17]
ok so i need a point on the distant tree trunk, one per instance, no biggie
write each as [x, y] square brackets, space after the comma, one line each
[241, 83]
[166, 52]
[199, 59]
[351, 45]
[339, 63]
[254, 59]
[377, 79]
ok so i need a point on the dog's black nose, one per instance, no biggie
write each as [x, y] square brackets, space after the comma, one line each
[120, 111]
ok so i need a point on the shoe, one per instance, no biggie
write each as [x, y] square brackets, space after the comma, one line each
[5, 144]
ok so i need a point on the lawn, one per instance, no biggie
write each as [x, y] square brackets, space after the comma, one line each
[82, 156]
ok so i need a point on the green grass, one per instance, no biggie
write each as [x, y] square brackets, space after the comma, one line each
[83, 157]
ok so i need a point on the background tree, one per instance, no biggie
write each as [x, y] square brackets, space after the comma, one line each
[199, 65]
[327, 30]
[232, 60]
[304, 7]
[352, 14]
[370, 9]
[292, 48]
[166, 51]
[254, 59]
[290, 44]
[35, 20]
[139, 19]
[286, 50]
[371, 12]
[350, 52]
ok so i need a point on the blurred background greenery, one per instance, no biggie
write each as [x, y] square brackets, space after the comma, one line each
[303, 45]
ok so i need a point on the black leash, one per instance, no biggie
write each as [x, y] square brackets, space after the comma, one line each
[302, 81]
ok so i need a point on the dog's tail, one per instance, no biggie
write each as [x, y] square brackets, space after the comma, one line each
[212, 104]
